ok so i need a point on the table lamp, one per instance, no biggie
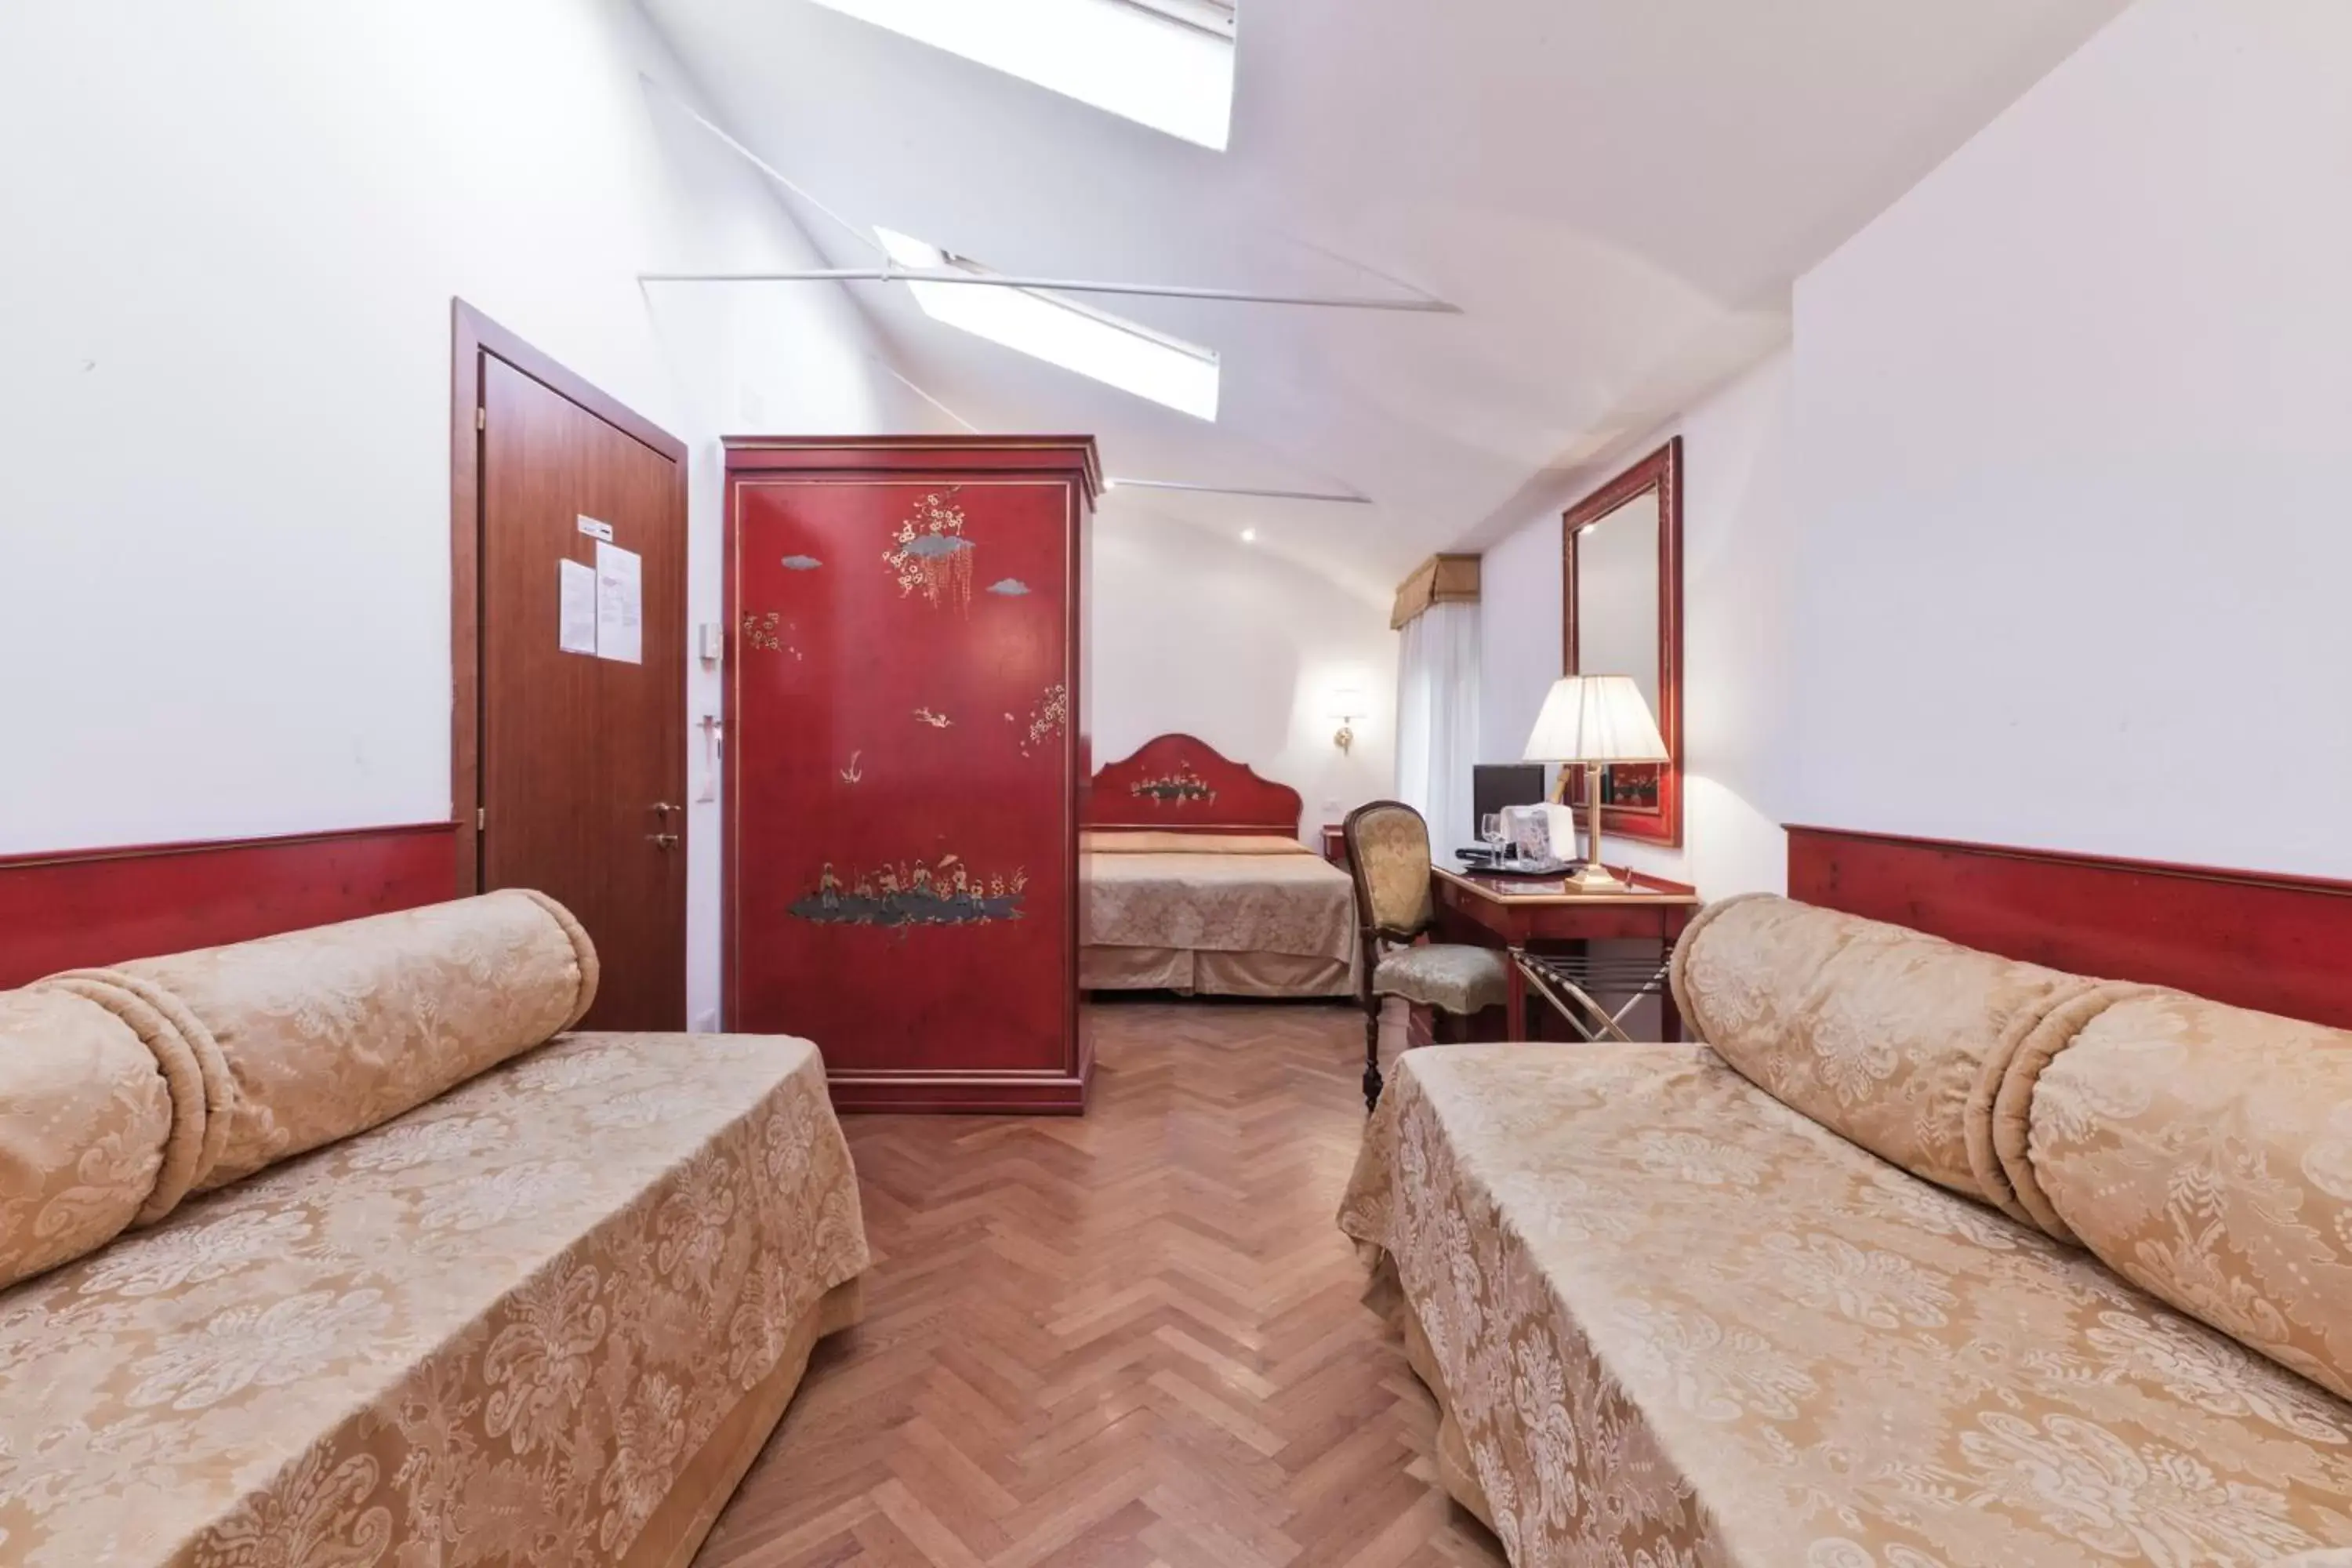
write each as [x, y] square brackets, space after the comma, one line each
[1595, 719]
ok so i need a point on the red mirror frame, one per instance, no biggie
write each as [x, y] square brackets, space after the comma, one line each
[1636, 818]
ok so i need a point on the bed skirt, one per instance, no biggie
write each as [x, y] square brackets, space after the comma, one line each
[1195, 972]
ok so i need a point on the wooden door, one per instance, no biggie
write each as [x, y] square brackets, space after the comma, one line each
[583, 755]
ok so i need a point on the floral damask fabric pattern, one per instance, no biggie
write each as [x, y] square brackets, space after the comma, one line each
[1878, 1032]
[328, 1031]
[1209, 901]
[123, 1091]
[496, 1330]
[84, 1118]
[2205, 1153]
[1680, 1324]
[1449, 977]
[1154, 841]
[1391, 847]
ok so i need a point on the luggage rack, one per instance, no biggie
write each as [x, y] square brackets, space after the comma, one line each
[1570, 981]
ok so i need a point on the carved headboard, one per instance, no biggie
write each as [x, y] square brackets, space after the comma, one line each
[1178, 784]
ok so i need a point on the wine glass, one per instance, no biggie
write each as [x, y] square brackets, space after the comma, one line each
[1490, 831]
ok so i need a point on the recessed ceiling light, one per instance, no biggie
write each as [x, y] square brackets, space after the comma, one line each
[1249, 536]
[1061, 332]
[1168, 64]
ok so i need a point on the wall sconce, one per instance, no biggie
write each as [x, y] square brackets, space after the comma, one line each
[1347, 705]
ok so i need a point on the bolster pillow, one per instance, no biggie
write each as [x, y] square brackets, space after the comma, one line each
[84, 1120]
[268, 1049]
[1894, 1039]
[2204, 1153]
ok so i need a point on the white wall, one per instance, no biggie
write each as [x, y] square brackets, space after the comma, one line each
[1215, 638]
[1736, 609]
[2075, 422]
[235, 230]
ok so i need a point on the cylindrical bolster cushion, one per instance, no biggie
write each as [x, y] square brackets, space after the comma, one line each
[327, 1032]
[1884, 1034]
[202, 1092]
[84, 1118]
[2204, 1153]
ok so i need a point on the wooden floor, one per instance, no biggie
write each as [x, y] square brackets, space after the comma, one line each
[1133, 1339]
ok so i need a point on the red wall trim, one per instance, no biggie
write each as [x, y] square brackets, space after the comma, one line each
[2255, 938]
[68, 909]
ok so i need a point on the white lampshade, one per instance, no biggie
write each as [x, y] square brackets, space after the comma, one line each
[1347, 702]
[1595, 719]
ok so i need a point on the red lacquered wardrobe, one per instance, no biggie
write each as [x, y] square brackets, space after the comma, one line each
[906, 756]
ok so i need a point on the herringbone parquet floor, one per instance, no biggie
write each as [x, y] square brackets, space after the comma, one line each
[1130, 1339]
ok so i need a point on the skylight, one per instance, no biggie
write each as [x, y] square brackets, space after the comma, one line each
[1168, 64]
[1063, 332]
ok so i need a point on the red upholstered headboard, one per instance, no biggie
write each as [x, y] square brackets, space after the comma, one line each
[2255, 938]
[1181, 784]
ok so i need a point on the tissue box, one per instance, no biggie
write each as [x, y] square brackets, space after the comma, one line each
[1544, 834]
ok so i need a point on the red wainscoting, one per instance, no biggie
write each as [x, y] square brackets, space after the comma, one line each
[2255, 938]
[82, 907]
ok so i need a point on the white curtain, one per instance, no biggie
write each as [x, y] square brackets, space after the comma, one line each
[1437, 720]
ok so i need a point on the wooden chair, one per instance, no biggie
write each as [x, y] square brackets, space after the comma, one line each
[1388, 856]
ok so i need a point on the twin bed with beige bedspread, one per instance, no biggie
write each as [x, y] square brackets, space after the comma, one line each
[1933, 1260]
[339, 1263]
[1215, 915]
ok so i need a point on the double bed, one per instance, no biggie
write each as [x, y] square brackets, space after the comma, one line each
[1195, 881]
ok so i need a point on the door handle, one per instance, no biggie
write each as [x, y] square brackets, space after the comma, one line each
[662, 840]
[661, 809]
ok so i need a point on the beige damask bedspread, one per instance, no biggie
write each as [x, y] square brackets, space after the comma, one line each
[1210, 901]
[1679, 1323]
[501, 1328]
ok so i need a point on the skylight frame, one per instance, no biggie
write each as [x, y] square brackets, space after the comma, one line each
[1058, 330]
[1215, 18]
[1167, 64]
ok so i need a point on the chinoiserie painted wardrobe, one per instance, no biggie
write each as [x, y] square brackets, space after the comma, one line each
[907, 755]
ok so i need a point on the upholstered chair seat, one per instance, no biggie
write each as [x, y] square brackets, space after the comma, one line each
[1445, 975]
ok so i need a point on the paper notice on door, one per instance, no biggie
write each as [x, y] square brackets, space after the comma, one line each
[620, 604]
[575, 618]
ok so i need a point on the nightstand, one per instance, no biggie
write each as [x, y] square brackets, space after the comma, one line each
[1335, 845]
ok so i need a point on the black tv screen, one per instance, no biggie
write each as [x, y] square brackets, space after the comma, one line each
[1494, 785]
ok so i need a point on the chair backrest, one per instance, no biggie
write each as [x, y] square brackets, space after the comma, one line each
[1388, 854]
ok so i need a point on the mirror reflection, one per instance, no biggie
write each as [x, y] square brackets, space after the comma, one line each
[1617, 594]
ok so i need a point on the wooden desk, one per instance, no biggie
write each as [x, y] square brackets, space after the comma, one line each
[1522, 910]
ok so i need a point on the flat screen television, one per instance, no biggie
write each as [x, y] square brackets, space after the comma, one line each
[1494, 785]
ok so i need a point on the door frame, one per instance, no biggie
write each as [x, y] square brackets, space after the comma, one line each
[473, 336]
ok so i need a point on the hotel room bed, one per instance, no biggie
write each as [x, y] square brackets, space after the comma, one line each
[1195, 881]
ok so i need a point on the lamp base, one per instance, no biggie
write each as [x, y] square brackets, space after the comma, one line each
[1592, 876]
